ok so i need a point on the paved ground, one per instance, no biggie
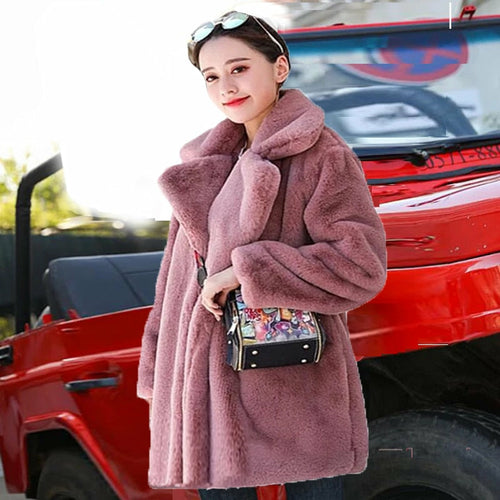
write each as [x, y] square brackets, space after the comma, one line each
[8, 496]
[3, 491]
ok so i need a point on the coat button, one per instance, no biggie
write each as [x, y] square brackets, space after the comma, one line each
[253, 365]
[303, 360]
[305, 346]
[255, 353]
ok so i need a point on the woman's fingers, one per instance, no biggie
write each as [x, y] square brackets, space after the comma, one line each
[215, 291]
[223, 297]
[209, 303]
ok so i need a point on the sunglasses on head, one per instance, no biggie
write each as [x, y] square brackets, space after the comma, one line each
[228, 21]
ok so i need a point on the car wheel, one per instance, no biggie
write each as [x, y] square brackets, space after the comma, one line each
[442, 453]
[70, 475]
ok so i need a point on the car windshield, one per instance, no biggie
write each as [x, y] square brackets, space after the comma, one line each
[402, 87]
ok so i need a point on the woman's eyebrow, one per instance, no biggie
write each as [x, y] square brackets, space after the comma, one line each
[229, 61]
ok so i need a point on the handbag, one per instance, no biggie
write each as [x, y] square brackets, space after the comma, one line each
[269, 337]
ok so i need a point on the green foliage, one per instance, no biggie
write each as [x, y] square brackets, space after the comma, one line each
[6, 326]
[50, 203]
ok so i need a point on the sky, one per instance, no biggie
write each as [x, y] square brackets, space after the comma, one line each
[108, 84]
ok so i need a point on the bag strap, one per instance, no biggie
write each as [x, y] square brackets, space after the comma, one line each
[202, 271]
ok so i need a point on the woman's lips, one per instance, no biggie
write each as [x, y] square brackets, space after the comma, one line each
[236, 102]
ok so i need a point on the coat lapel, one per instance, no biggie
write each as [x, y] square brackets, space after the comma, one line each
[292, 127]
[191, 188]
[260, 185]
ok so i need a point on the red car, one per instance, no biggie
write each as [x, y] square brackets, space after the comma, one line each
[419, 104]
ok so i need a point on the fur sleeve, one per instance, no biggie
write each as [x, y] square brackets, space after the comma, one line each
[342, 269]
[145, 374]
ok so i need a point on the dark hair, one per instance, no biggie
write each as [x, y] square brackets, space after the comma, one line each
[253, 35]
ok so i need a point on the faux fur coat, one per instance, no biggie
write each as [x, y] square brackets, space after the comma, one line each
[295, 218]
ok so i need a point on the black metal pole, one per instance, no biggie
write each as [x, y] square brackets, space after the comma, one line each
[23, 233]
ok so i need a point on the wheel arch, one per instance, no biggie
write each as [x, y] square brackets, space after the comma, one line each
[39, 445]
[462, 374]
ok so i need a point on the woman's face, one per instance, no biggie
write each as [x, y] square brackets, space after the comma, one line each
[240, 81]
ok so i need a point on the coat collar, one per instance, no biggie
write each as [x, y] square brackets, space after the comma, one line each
[293, 126]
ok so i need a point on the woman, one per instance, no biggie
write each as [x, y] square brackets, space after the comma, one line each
[278, 204]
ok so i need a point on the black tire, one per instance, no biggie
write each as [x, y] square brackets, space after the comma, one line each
[69, 475]
[430, 454]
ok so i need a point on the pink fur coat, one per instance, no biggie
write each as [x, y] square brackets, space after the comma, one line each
[295, 218]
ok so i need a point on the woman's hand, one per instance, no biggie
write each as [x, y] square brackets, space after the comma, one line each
[215, 290]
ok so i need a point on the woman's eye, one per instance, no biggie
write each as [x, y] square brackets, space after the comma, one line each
[239, 69]
[210, 78]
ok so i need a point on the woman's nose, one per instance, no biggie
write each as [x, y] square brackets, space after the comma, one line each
[227, 86]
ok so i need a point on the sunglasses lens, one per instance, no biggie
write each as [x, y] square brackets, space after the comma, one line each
[234, 20]
[230, 21]
[202, 32]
